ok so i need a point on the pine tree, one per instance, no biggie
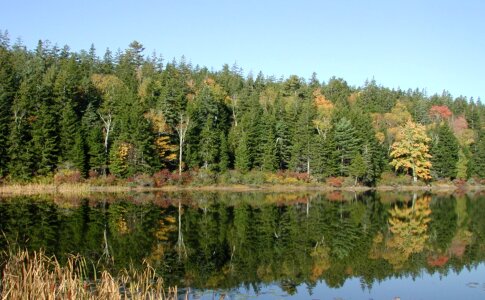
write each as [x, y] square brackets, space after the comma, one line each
[71, 143]
[358, 167]
[268, 144]
[45, 140]
[445, 153]
[479, 157]
[303, 139]
[7, 89]
[208, 148]
[326, 158]
[242, 157]
[96, 157]
[224, 155]
[346, 142]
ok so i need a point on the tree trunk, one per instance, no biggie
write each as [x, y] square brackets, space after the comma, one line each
[182, 130]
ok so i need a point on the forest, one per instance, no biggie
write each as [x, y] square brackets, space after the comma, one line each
[130, 113]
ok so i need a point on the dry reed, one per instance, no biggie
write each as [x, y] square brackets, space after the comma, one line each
[72, 189]
[35, 275]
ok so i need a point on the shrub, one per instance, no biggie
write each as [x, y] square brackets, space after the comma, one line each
[391, 179]
[335, 181]
[254, 177]
[161, 177]
[67, 176]
[141, 180]
[231, 177]
[203, 177]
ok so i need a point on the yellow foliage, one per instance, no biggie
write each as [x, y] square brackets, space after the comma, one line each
[411, 151]
[107, 84]
[325, 108]
[124, 151]
[409, 228]
[166, 150]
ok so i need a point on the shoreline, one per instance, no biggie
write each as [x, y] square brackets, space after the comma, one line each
[83, 188]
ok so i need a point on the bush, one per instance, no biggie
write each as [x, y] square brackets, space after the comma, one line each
[231, 177]
[254, 177]
[288, 177]
[335, 181]
[165, 177]
[391, 179]
[67, 176]
[103, 180]
[141, 180]
[203, 177]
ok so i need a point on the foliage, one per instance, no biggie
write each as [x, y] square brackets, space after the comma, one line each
[411, 151]
[128, 114]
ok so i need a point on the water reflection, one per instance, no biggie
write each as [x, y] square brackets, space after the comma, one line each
[252, 241]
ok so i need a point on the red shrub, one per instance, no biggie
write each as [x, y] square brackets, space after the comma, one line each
[335, 181]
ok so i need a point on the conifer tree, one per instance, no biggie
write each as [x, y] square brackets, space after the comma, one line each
[346, 142]
[445, 153]
[209, 145]
[358, 167]
[224, 155]
[45, 140]
[96, 159]
[242, 156]
[303, 139]
[479, 157]
[71, 143]
[7, 90]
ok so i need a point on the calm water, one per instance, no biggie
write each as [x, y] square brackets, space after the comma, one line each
[270, 246]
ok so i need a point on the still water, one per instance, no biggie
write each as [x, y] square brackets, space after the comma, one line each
[269, 245]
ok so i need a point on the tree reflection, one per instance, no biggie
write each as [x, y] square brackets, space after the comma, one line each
[409, 231]
[223, 241]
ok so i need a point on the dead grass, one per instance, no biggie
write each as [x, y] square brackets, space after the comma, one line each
[35, 275]
[74, 189]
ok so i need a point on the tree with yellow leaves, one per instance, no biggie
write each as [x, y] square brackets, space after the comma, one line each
[410, 151]
[409, 231]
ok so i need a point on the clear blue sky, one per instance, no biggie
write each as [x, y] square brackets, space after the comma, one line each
[433, 45]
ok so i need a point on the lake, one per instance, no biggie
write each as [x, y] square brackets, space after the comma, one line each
[227, 245]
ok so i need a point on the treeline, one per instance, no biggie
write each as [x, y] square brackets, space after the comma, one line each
[127, 113]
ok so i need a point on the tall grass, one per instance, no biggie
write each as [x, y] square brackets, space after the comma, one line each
[34, 275]
[73, 188]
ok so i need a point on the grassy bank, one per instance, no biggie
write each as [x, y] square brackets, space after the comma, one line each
[72, 183]
[86, 189]
[34, 275]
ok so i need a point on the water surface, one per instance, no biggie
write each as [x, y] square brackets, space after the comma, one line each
[269, 245]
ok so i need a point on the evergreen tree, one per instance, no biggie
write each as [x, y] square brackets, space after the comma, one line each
[71, 143]
[358, 167]
[7, 90]
[268, 144]
[242, 157]
[45, 140]
[326, 158]
[303, 139]
[96, 157]
[224, 155]
[346, 142]
[208, 146]
[444, 152]
[479, 157]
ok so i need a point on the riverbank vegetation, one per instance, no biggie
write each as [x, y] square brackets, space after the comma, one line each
[137, 119]
[35, 275]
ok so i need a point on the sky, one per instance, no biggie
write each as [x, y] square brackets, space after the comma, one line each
[433, 45]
